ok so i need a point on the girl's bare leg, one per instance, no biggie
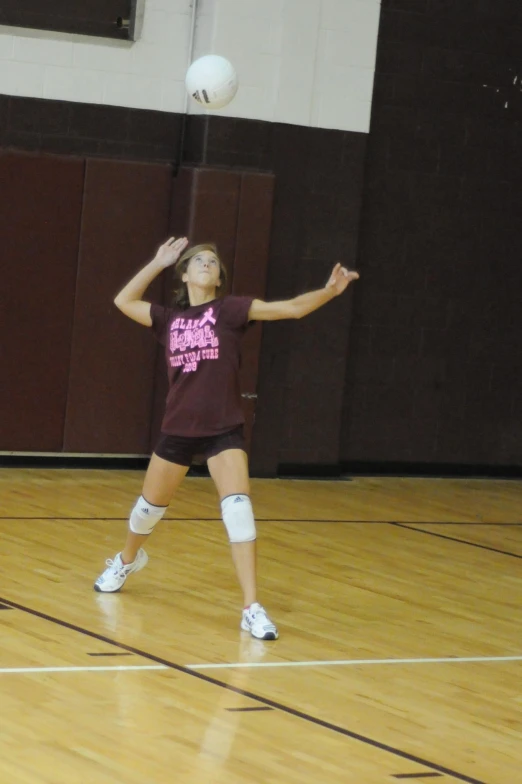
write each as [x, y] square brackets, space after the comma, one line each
[161, 482]
[229, 470]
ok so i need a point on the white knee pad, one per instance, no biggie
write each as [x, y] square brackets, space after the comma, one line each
[238, 516]
[144, 517]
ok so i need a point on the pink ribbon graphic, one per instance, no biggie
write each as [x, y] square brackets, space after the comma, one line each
[207, 317]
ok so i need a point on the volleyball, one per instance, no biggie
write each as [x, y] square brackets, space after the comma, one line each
[211, 81]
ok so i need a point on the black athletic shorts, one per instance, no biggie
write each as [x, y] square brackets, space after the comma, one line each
[183, 449]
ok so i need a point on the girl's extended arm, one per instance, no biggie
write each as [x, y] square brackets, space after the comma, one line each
[305, 303]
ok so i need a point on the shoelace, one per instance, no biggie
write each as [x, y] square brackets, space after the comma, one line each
[261, 616]
[119, 570]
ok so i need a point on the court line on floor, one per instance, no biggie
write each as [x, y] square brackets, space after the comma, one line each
[356, 662]
[253, 665]
[252, 696]
[411, 527]
[269, 520]
[208, 520]
[115, 668]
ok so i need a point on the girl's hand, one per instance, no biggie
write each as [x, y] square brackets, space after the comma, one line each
[340, 279]
[170, 251]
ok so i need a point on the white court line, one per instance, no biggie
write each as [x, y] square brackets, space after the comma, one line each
[231, 665]
[115, 668]
[345, 662]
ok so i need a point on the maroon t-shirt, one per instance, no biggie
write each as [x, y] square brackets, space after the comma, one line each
[202, 349]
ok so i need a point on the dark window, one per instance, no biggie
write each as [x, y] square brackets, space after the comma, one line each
[117, 19]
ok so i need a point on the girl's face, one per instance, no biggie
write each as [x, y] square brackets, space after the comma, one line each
[203, 270]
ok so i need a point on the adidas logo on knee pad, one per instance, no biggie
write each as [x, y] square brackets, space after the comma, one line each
[144, 516]
[240, 523]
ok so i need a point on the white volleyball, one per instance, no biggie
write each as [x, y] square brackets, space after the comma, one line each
[211, 81]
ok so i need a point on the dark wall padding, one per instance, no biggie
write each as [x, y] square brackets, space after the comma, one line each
[434, 373]
[125, 218]
[250, 272]
[316, 207]
[39, 227]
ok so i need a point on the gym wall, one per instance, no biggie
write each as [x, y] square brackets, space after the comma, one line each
[305, 62]
[425, 205]
[62, 96]
[434, 374]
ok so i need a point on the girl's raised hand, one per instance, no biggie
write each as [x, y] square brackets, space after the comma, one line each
[170, 251]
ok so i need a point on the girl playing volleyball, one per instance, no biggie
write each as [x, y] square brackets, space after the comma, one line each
[201, 333]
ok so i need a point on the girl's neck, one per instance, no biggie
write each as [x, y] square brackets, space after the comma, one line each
[198, 296]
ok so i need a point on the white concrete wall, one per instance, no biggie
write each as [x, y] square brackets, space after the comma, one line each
[307, 62]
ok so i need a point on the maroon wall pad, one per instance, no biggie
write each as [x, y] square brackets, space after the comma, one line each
[125, 218]
[39, 227]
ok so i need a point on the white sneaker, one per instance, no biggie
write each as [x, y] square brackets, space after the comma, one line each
[112, 579]
[256, 621]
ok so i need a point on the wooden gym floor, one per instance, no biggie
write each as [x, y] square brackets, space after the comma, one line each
[400, 656]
